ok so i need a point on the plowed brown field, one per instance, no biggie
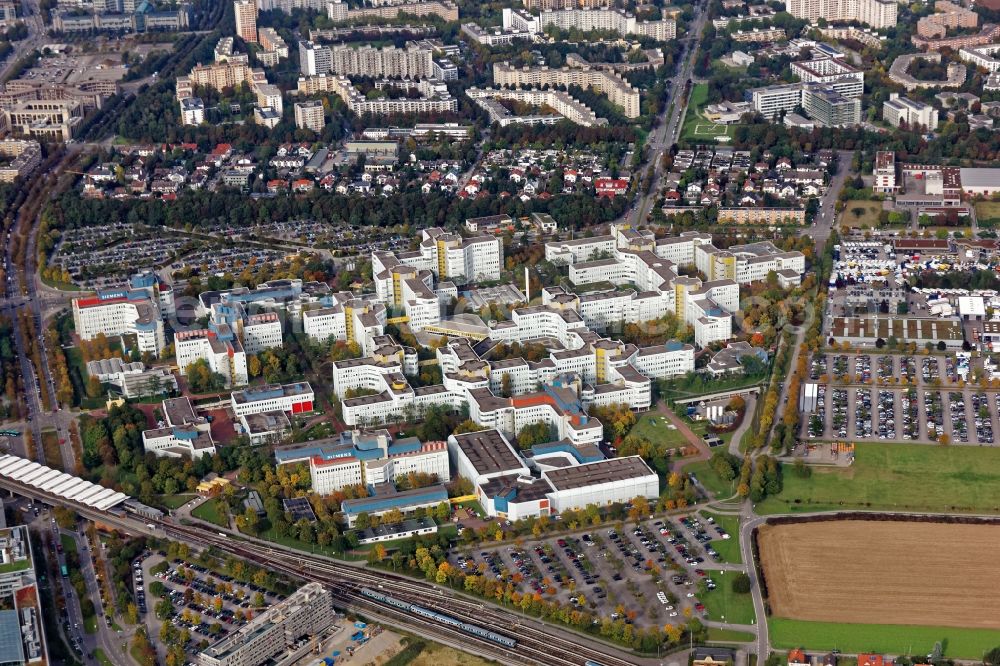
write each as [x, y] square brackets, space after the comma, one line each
[874, 572]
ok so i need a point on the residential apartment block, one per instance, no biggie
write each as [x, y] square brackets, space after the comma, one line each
[618, 91]
[314, 59]
[246, 20]
[947, 15]
[305, 614]
[874, 13]
[338, 12]
[435, 95]
[899, 110]
[20, 158]
[389, 62]
[983, 57]
[832, 73]
[310, 115]
[611, 20]
[561, 102]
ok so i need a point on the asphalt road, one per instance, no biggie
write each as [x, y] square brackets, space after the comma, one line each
[668, 129]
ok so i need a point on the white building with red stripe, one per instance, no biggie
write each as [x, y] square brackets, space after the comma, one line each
[297, 398]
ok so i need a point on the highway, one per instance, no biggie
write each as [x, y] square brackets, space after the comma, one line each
[671, 121]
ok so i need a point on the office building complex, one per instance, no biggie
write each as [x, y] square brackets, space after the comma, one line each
[48, 120]
[310, 115]
[556, 477]
[116, 312]
[874, 13]
[183, 433]
[292, 399]
[448, 256]
[358, 458]
[902, 110]
[825, 105]
[618, 90]
[246, 20]
[306, 613]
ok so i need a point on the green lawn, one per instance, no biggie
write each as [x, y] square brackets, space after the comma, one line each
[17, 565]
[898, 476]
[68, 543]
[988, 214]
[102, 658]
[889, 638]
[90, 624]
[658, 430]
[728, 549]
[175, 501]
[50, 447]
[713, 482]
[728, 635]
[212, 511]
[867, 219]
[722, 602]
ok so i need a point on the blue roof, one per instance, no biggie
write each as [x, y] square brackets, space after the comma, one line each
[406, 445]
[400, 501]
[263, 394]
[565, 447]
[11, 648]
[143, 280]
[674, 345]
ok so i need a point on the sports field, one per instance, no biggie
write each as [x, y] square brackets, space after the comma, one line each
[696, 127]
[883, 572]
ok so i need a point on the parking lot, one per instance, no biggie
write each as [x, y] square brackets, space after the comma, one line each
[898, 398]
[611, 572]
[209, 605]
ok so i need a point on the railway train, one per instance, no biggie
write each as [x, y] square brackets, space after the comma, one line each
[440, 617]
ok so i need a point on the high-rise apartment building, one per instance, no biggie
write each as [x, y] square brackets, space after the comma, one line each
[313, 58]
[874, 13]
[309, 115]
[246, 20]
[390, 62]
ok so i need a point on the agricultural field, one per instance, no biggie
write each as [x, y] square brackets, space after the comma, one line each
[883, 572]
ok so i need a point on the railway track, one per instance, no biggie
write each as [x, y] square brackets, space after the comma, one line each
[535, 644]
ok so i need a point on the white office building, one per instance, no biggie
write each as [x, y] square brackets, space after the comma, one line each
[361, 458]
